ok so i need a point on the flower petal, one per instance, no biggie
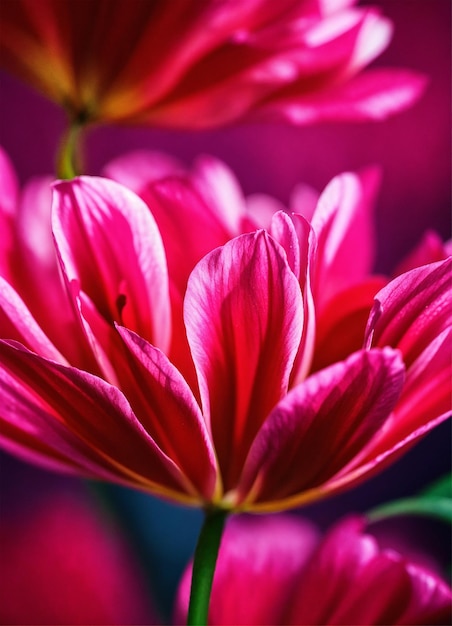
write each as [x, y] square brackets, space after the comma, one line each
[342, 223]
[170, 413]
[351, 580]
[320, 426]
[412, 310]
[258, 567]
[79, 419]
[244, 318]
[110, 244]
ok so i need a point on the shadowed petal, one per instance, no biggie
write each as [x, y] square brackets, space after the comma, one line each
[244, 318]
[170, 412]
[86, 421]
[17, 323]
[321, 425]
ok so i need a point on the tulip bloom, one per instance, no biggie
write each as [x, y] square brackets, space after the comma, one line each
[192, 64]
[240, 425]
[278, 570]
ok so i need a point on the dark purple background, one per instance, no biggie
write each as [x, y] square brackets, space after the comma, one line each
[414, 151]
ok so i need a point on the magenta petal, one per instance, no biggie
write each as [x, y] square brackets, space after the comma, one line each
[343, 226]
[351, 580]
[412, 310]
[82, 418]
[243, 312]
[109, 242]
[177, 206]
[17, 323]
[258, 567]
[374, 94]
[170, 413]
[321, 425]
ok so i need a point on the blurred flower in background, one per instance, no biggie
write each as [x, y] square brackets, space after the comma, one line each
[280, 570]
[64, 558]
[201, 64]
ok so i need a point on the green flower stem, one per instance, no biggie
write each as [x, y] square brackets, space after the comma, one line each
[204, 566]
[68, 165]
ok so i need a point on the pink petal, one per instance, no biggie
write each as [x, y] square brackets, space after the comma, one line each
[138, 169]
[412, 310]
[423, 404]
[79, 419]
[350, 580]
[374, 94]
[341, 324]
[16, 322]
[257, 571]
[243, 311]
[63, 560]
[343, 226]
[189, 226]
[321, 425]
[8, 208]
[430, 249]
[170, 412]
[109, 242]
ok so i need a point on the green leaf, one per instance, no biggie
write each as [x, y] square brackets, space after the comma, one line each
[442, 488]
[435, 501]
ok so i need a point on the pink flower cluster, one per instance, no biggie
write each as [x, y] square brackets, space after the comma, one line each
[155, 373]
[161, 330]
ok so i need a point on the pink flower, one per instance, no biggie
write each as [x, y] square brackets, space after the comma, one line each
[278, 570]
[233, 416]
[203, 64]
[63, 562]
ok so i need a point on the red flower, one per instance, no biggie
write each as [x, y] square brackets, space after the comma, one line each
[277, 570]
[197, 64]
[232, 416]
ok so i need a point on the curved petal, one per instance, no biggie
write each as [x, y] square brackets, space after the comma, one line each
[80, 420]
[170, 413]
[139, 168]
[351, 580]
[258, 567]
[320, 426]
[244, 319]
[108, 241]
[341, 324]
[412, 310]
[17, 323]
[375, 94]
[342, 223]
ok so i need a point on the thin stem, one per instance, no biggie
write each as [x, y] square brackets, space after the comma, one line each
[204, 567]
[69, 154]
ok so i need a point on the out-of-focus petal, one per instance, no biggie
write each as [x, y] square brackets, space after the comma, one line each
[342, 222]
[375, 94]
[320, 426]
[64, 561]
[243, 311]
[350, 580]
[257, 571]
